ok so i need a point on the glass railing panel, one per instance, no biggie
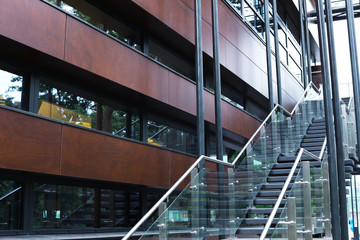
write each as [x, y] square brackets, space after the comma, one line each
[185, 217]
[312, 212]
[291, 220]
[281, 137]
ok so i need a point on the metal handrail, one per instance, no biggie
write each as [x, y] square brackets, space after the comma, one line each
[286, 185]
[167, 194]
[349, 104]
[10, 193]
[270, 114]
[203, 158]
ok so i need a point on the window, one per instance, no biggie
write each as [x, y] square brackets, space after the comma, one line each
[74, 207]
[10, 89]
[171, 59]
[10, 205]
[64, 105]
[169, 137]
[99, 19]
[253, 12]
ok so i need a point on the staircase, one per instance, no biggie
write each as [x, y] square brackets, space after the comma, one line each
[285, 159]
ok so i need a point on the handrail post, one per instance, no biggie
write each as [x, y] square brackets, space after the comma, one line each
[326, 189]
[195, 223]
[344, 131]
[291, 209]
[163, 226]
[232, 204]
[307, 200]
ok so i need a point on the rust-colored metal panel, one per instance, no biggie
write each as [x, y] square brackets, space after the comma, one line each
[182, 94]
[239, 121]
[35, 24]
[93, 155]
[112, 60]
[29, 143]
[209, 107]
[178, 165]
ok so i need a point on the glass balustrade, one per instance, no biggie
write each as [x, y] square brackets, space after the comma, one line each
[305, 215]
[217, 203]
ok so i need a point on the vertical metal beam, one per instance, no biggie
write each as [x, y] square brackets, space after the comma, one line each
[291, 209]
[277, 52]
[195, 198]
[326, 192]
[303, 44]
[331, 145]
[143, 127]
[308, 47]
[268, 55]
[356, 231]
[34, 84]
[354, 64]
[338, 121]
[128, 125]
[199, 82]
[27, 200]
[352, 206]
[307, 200]
[218, 115]
[217, 80]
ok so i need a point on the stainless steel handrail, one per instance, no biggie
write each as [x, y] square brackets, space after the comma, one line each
[167, 194]
[349, 104]
[286, 185]
[270, 114]
[282, 193]
[203, 158]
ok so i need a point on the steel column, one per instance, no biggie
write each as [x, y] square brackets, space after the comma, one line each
[307, 39]
[338, 121]
[277, 52]
[218, 115]
[356, 231]
[331, 145]
[354, 64]
[217, 80]
[268, 55]
[303, 43]
[199, 82]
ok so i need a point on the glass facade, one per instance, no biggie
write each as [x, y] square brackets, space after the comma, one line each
[66, 106]
[10, 89]
[169, 137]
[71, 206]
[253, 14]
[10, 205]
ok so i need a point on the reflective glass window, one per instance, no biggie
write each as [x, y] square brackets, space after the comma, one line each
[236, 4]
[64, 105]
[57, 206]
[295, 69]
[170, 58]
[283, 55]
[10, 89]
[10, 205]
[169, 137]
[101, 20]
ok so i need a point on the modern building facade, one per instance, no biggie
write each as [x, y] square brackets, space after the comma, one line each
[98, 101]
